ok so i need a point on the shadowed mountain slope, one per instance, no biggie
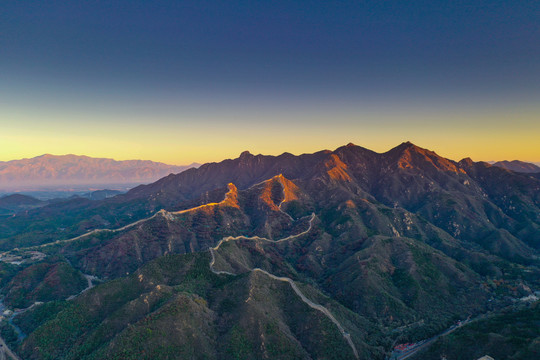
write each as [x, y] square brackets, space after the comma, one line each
[518, 166]
[465, 199]
[259, 255]
[14, 203]
[181, 309]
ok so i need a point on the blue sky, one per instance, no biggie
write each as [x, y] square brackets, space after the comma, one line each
[182, 81]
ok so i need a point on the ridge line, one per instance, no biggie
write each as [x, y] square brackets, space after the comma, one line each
[291, 282]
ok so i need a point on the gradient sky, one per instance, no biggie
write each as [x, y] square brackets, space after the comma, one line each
[184, 81]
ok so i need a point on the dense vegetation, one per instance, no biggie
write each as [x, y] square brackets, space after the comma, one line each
[513, 334]
[396, 246]
[48, 280]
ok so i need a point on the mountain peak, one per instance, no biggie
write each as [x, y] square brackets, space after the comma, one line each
[406, 147]
[409, 145]
[45, 156]
[409, 156]
[245, 154]
[466, 162]
[518, 166]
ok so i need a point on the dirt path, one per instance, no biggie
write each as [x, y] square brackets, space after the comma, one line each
[89, 279]
[6, 351]
[432, 340]
[291, 282]
[92, 232]
[161, 212]
[315, 306]
[167, 214]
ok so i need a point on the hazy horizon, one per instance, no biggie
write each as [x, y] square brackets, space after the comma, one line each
[196, 163]
[379, 250]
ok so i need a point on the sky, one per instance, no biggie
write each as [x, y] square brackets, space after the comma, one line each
[199, 81]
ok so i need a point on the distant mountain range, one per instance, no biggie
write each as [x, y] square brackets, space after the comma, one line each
[518, 166]
[338, 254]
[65, 170]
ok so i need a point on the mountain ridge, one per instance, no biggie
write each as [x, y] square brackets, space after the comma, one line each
[57, 170]
[425, 183]
[394, 245]
[518, 166]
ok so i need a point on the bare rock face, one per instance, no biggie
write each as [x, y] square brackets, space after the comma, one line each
[470, 201]
[247, 257]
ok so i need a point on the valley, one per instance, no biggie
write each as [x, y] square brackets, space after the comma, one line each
[376, 248]
[183, 180]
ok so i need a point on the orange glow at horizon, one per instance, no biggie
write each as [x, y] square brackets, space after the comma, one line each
[483, 136]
